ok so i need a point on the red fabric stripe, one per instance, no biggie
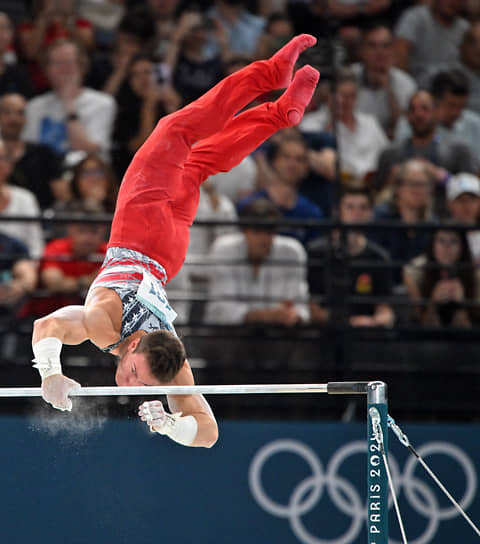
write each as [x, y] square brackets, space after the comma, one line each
[107, 277]
[129, 262]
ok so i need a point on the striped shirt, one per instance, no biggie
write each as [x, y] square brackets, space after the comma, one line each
[123, 271]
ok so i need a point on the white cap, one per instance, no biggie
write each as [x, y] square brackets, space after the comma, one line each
[462, 183]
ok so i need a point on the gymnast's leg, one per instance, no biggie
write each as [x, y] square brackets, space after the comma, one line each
[242, 135]
[142, 217]
[167, 148]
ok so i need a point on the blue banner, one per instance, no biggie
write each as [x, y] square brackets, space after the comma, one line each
[95, 481]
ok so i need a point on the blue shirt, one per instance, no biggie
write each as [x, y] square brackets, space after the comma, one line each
[303, 209]
[243, 34]
[401, 244]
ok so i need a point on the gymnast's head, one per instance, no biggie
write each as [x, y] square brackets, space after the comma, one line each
[152, 359]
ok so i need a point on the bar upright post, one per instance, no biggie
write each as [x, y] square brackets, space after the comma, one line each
[377, 481]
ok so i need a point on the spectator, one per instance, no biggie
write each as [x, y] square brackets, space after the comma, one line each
[239, 182]
[71, 117]
[451, 91]
[94, 185]
[308, 17]
[13, 78]
[356, 273]
[109, 70]
[463, 200]
[277, 32]
[141, 101]
[35, 166]
[442, 153]
[318, 184]
[256, 275]
[359, 135]
[288, 165]
[342, 18]
[90, 185]
[469, 63]
[18, 274]
[211, 207]
[105, 16]
[17, 201]
[164, 14]
[242, 27]
[70, 264]
[53, 20]
[411, 203]
[352, 16]
[442, 281]
[193, 71]
[428, 37]
[384, 91]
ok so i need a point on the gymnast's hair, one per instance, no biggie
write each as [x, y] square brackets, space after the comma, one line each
[165, 354]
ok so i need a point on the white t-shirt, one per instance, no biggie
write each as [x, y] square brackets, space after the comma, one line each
[201, 238]
[46, 120]
[238, 182]
[359, 149]
[281, 277]
[375, 101]
[433, 44]
[23, 203]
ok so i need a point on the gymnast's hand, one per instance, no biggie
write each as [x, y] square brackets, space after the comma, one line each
[153, 413]
[55, 391]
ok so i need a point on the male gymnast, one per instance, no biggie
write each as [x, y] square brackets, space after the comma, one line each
[126, 311]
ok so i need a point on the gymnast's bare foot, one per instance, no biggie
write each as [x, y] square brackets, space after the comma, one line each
[299, 93]
[284, 60]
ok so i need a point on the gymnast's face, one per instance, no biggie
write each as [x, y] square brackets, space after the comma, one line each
[133, 369]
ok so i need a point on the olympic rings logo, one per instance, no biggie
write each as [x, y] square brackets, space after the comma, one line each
[345, 496]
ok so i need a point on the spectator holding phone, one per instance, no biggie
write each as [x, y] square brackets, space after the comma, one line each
[442, 282]
[141, 102]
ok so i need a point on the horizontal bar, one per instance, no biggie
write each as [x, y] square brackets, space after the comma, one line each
[347, 388]
[174, 390]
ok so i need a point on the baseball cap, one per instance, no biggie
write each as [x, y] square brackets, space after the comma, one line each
[462, 183]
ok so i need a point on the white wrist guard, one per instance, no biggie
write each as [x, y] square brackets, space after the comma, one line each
[181, 429]
[47, 356]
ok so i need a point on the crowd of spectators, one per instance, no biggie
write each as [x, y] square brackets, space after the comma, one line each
[390, 144]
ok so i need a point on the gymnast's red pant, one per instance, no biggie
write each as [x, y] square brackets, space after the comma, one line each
[159, 194]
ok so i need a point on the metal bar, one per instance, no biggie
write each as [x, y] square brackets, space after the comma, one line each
[292, 223]
[347, 388]
[174, 390]
[377, 483]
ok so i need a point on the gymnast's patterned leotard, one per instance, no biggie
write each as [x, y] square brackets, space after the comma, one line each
[134, 276]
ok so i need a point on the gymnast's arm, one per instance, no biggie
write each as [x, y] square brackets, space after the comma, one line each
[191, 422]
[75, 324]
[196, 406]
[68, 325]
